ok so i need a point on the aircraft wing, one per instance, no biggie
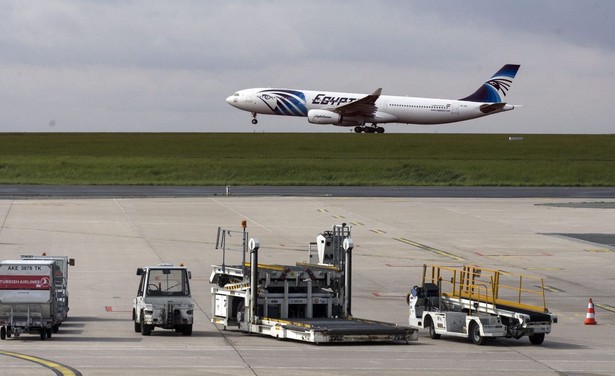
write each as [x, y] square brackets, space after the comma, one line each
[365, 106]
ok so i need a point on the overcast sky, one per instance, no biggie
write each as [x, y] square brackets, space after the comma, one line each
[167, 66]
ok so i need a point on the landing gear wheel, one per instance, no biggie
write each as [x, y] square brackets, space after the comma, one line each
[537, 339]
[254, 121]
[474, 334]
[379, 130]
[358, 129]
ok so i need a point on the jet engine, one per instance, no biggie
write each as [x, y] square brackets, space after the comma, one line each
[324, 117]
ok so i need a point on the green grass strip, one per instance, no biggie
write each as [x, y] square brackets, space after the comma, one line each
[306, 159]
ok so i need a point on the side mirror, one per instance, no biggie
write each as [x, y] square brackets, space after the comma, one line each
[139, 271]
[71, 262]
[189, 275]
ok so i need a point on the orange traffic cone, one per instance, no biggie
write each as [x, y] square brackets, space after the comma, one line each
[591, 314]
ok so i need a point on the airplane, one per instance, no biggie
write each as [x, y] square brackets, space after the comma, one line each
[357, 110]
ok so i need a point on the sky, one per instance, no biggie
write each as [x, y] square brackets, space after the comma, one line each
[168, 66]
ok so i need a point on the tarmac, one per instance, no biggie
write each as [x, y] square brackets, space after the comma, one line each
[567, 241]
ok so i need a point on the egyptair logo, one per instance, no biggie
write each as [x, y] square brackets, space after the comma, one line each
[501, 85]
[284, 102]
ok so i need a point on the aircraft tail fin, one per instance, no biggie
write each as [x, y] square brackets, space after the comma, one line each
[495, 89]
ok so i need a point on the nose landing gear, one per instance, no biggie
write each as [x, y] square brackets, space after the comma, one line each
[254, 121]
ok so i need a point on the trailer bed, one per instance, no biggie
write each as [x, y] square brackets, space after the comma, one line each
[335, 330]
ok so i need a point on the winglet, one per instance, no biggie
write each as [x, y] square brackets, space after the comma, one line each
[496, 87]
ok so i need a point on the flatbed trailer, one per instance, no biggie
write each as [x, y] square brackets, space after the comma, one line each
[309, 301]
[479, 303]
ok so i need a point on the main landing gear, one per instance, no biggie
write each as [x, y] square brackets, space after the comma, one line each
[254, 121]
[369, 129]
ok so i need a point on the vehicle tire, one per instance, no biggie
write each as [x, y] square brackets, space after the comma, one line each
[49, 332]
[537, 339]
[3, 333]
[43, 334]
[137, 325]
[432, 328]
[146, 330]
[55, 328]
[187, 330]
[240, 313]
[474, 334]
[358, 129]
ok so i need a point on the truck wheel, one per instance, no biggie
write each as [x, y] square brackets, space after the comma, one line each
[146, 330]
[3, 333]
[432, 328]
[43, 334]
[474, 334]
[187, 330]
[49, 331]
[240, 313]
[137, 325]
[55, 328]
[537, 339]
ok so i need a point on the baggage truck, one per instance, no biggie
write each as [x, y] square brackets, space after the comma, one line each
[61, 296]
[27, 298]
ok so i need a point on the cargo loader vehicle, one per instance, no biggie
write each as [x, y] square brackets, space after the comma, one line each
[479, 304]
[163, 300]
[310, 301]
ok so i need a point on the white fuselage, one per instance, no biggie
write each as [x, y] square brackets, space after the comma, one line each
[390, 109]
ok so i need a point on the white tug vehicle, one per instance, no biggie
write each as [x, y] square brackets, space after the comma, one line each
[163, 300]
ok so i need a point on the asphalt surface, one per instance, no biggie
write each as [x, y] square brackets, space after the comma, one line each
[122, 191]
[111, 233]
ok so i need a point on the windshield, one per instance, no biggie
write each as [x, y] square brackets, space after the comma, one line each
[168, 282]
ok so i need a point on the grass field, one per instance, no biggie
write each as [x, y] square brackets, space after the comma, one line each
[306, 159]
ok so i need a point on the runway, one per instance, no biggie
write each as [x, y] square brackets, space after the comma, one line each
[110, 235]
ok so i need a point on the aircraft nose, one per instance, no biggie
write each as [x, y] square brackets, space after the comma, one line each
[230, 99]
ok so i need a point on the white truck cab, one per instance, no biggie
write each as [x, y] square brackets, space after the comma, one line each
[163, 300]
